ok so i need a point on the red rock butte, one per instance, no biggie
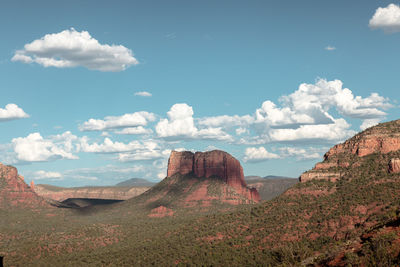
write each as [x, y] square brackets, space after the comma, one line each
[14, 192]
[208, 164]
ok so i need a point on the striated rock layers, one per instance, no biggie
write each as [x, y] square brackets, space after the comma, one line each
[214, 163]
[110, 192]
[14, 192]
[383, 138]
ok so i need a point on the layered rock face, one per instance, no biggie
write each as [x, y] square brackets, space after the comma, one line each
[14, 192]
[383, 138]
[214, 163]
[180, 162]
[115, 193]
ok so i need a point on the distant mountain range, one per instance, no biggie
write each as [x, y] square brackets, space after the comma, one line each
[255, 177]
[270, 186]
[136, 182]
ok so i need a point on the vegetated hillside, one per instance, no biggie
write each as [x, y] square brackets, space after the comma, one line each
[341, 215]
[89, 192]
[187, 191]
[270, 188]
[197, 180]
[136, 182]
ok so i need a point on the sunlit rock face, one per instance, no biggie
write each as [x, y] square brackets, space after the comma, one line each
[381, 139]
[14, 192]
[208, 164]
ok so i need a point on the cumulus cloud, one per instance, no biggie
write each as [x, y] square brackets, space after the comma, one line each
[143, 93]
[226, 121]
[180, 125]
[301, 153]
[337, 131]
[330, 48]
[47, 175]
[149, 154]
[369, 123]
[134, 130]
[270, 115]
[36, 148]
[12, 112]
[108, 146]
[317, 99]
[140, 118]
[241, 130]
[305, 115]
[254, 154]
[71, 48]
[386, 18]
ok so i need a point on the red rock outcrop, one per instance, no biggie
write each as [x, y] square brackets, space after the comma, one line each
[316, 175]
[180, 162]
[383, 138]
[394, 165]
[14, 192]
[109, 192]
[161, 212]
[214, 163]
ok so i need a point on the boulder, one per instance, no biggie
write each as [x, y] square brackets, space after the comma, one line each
[394, 165]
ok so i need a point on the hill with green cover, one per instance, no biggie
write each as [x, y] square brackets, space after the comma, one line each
[344, 212]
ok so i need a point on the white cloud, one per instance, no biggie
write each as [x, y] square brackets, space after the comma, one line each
[35, 148]
[135, 130]
[317, 99]
[71, 48]
[254, 154]
[140, 118]
[369, 123]
[108, 146]
[143, 93]
[337, 131]
[226, 121]
[330, 48]
[180, 125]
[47, 175]
[12, 112]
[269, 115]
[241, 130]
[386, 18]
[140, 155]
[300, 153]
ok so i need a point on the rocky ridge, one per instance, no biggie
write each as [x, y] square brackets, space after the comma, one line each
[106, 192]
[14, 192]
[383, 138]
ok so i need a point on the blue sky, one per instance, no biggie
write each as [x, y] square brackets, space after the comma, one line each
[274, 83]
